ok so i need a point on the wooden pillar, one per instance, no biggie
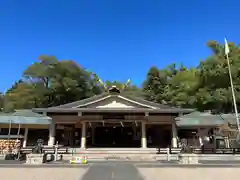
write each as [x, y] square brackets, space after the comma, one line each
[201, 133]
[174, 136]
[93, 134]
[200, 141]
[25, 137]
[226, 141]
[144, 138]
[83, 138]
[52, 129]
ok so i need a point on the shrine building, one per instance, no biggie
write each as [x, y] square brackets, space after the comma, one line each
[113, 119]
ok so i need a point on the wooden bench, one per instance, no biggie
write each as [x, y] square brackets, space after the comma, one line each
[26, 150]
[216, 151]
[46, 150]
[169, 150]
[228, 151]
[175, 150]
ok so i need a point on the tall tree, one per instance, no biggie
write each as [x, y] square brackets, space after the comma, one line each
[155, 84]
[215, 92]
[51, 82]
[1, 101]
[181, 88]
[206, 87]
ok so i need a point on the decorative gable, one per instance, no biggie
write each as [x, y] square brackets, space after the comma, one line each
[112, 101]
[114, 98]
[115, 104]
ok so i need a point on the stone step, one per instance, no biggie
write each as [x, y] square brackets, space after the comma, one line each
[121, 157]
[115, 150]
[111, 152]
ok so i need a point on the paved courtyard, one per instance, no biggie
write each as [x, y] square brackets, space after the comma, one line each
[190, 173]
[119, 171]
[42, 173]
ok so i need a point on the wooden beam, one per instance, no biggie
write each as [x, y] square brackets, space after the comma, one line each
[121, 123]
[136, 123]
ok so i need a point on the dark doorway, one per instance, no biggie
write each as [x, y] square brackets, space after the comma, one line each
[67, 135]
[114, 136]
[159, 136]
[35, 134]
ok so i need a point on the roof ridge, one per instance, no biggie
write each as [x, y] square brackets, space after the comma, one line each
[82, 100]
[146, 103]
[151, 103]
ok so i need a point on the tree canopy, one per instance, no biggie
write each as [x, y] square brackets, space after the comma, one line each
[206, 87]
[50, 82]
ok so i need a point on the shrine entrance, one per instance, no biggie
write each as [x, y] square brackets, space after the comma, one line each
[116, 136]
[159, 136]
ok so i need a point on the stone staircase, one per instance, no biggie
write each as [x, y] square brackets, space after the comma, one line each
[133, 154]
[116, 150]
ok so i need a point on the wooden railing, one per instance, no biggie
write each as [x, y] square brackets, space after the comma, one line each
[216, 150]
[200, 151]
[46, 150]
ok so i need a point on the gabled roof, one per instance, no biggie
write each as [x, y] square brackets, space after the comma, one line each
[83, 103]
[133, 104]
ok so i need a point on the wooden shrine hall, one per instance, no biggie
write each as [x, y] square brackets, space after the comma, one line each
[113, 119]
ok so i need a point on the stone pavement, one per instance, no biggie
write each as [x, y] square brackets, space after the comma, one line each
[42, 173]
[120, 171]
[110, 171]
[190, 173]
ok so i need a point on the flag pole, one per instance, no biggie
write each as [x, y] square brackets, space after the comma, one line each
[231, 82]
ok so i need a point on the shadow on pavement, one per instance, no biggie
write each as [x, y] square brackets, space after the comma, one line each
[109, 171]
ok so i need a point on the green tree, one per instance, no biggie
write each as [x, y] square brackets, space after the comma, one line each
[22, 95]
[51, 82]
[181, 88]
[215, 92]
[155, 84]
[206, 87]
[1, 101]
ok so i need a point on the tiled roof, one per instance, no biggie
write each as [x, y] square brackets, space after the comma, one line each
[28, 113]
[200, 119]
[132, 98]
[24, 117]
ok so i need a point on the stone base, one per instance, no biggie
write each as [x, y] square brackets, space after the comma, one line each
[188, 159]
[34, 159]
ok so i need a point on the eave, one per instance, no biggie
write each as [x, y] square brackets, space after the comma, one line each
[112, 110]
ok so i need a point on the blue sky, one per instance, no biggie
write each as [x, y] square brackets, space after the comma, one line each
[117, 39]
